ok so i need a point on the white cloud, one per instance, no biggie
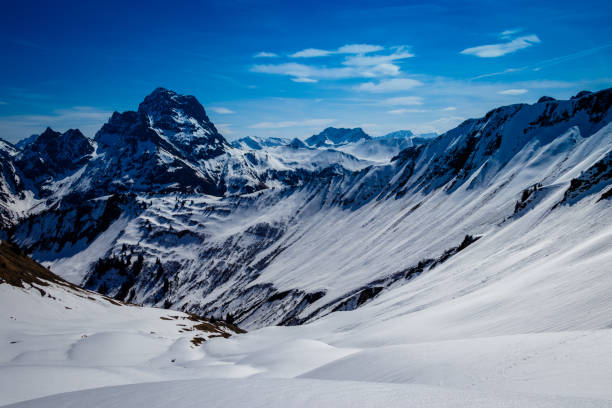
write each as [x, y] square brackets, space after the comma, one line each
[306, 71]
[287, 124]
[381, 70]
[222, 110]
[265, 54]
[345, 49]
[371, 60]
[356, 65]
[310, 73]
[359, 48]
[497, 50]
[449, 108]
[513, 92]
[389, 85]
[401, 111]
[303, 79]
[310, 53]
[403, 100]
[507, 34]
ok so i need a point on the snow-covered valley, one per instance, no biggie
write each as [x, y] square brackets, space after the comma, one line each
[469, 269]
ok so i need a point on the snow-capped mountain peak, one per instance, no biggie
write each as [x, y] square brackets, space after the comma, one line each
[54, 154]
[332, 137]
[182, 120]
[259, 143]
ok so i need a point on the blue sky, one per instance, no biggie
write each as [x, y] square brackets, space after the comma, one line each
[286, 69]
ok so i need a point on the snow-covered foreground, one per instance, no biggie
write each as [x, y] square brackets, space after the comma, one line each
[70, 340]
[296, 393]
[355, 358]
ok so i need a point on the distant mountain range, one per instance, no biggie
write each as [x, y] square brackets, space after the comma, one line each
[352, 141]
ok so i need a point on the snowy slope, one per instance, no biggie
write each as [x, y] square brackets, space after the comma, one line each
[298, 393]
[57, 337]
[387, 352]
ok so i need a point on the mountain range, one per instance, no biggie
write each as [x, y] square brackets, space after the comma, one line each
[280, 232]
[468, 265]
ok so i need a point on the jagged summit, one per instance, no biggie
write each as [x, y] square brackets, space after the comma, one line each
[178, 119]
[337, 136]
[170, 111]
[53, 154]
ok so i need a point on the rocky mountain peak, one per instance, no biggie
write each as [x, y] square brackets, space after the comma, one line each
[166, 109]
[59, 151]
[337, 136]
[53, 155]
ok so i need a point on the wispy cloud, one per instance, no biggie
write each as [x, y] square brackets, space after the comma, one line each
[305, 72]
[549, 62]
[492, 74]
[449, 108]
[569, 57]
[403, 100]
[507, 34]
[500, 49]
[359, 48]
[310, 53]
[345, 49]
[404, 110]
[305, 80]
[265, 54]
[513, 92]
[221, 110]
[292, 123]
[389, 85]
[359, 61]
[311, 73]
[370, 60]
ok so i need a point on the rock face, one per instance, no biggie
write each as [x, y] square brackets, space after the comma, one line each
[12, 189]
[53, 155]
[166, 212]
